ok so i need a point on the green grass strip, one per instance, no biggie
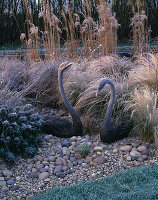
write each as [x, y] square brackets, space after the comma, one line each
[134, 184]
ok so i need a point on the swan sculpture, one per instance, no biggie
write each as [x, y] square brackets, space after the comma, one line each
[112, 131]
[61, 127]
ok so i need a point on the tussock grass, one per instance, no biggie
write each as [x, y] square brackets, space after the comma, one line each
[145, 71]
[144, 111]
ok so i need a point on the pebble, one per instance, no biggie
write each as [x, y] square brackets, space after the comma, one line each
[10, 182]
[61, 164]
[98, 148]
[43, 175]
[7, 173]
[66, 143]
[125, 148]
[135, 153]
[99, 160]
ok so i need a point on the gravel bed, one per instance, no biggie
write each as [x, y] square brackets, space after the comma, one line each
[59, 162]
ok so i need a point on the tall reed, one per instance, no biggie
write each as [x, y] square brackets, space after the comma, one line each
[141, 33]
[107, 30]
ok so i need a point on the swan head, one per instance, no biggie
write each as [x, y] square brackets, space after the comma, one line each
[64, 66]
[102, 83]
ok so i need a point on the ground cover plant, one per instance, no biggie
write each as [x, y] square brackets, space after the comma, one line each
[138, 183]
[19, 133]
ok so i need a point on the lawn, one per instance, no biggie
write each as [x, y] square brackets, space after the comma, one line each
[138, 183]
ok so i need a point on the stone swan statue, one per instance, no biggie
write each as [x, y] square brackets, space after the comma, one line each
[61, 127]
[112, 131]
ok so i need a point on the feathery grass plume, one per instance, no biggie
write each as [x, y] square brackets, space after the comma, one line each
[51, 32]
[32, 40]
[111, 65]
[141, 33]
[88, 30]
[145, 71]
[42, 89]
[70, 25]
[144, 112]
[107, 30]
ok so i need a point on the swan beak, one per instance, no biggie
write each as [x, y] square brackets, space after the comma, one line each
[97, 93]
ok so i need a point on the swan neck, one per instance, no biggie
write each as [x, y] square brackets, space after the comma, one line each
[75, 118]
[108, 114]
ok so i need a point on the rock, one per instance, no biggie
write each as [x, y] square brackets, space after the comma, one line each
[10, 182]
[135, 154]
[133, 158]
[99, 153]
[14, 187]
[2, 182]
[57, 169]
[60, 174]
[43, 175]
[99, 160]
[140, 159]
[34, 170]
[59, 161]
[115, 150]
[88, 159]
[64, 168]
[29, 167]
[33, 175]
[51, 158]
[43, 170]
[145, 152]
[98, 148]
[4, 188]
[39, 166]
[126, 148]
[156, 152]
[48, 137]
[64, 151]
[7, 173]
[73, 138]
[128, 158]
[85, 165]
[39, 158]
[145, 157]
[72, 159]
[141, 148]
[66, 143]
[78, 156]
[136, 163]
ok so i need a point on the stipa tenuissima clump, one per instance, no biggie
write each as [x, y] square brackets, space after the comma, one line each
[20, 129]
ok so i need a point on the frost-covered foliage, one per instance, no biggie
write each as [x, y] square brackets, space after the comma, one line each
[20, 129]
[84, 149]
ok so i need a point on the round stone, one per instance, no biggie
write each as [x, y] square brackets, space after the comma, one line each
[99, 160]
[48, 137]
[51, 158]
[135, 154]
[98, 153]
[33, 175]
[141, 148]
[7, 173]
[59, 161]
[10, 182]
[126, 148]
[2, 182]
[115, 150]
[98, 148]
[43, 175]
[57, 169]
[66, 143]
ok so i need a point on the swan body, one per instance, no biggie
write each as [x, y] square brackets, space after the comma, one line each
[112, 131]
[62, 127]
